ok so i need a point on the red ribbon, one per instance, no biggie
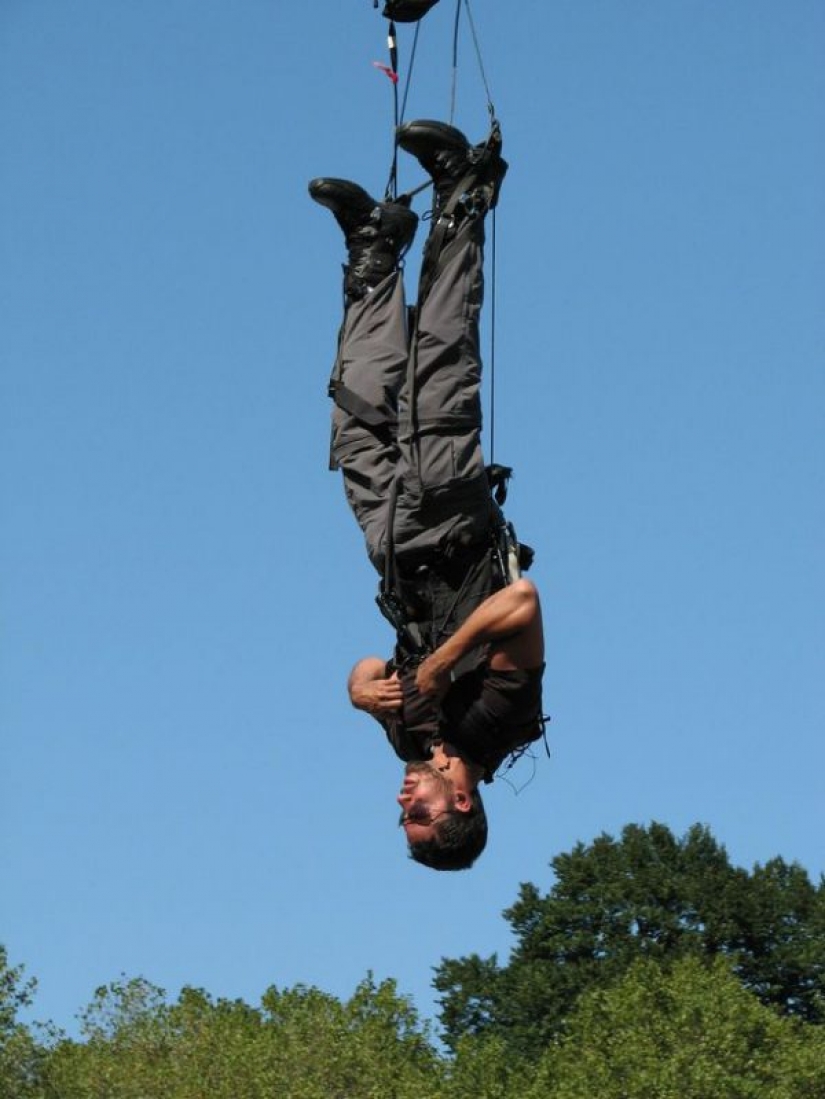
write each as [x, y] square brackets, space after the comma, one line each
[386, 69]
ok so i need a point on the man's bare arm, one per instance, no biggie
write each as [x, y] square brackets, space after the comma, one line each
[510, 620]
[371, 690]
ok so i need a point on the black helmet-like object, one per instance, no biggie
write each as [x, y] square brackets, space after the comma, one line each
[407, 11]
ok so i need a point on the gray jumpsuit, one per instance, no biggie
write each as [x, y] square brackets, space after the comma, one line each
[415, 479]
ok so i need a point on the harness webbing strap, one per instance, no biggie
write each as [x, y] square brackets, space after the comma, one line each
[356, 406]
[380, 423]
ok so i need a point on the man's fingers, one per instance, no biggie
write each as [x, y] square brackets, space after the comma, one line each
[387, 695]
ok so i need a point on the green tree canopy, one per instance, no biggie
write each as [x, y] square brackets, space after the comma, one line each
[691, 1032]
[19, 1053]
[300, 1044]
[653, 968]
[647, 895]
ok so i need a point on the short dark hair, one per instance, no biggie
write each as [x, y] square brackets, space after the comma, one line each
[459, 839]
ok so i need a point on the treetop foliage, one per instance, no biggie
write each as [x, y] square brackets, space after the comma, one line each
[652, 969]
[690, 1031]
[647, 895]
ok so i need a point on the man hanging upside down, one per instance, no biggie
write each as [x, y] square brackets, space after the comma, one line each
[463, 691]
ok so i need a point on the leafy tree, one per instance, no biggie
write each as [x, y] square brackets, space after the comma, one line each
[125, 1051]
[483, 1068]
[15, 993]
[689, 1033]
[647, 895]
[373, 1046]
[300, 1044]
[215, 1048]
[19, 1052]
[782, 954]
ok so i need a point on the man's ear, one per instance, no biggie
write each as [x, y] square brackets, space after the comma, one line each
[462, 802]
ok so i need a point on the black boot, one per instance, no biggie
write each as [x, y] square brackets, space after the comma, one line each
[467, 178]
[377, 233]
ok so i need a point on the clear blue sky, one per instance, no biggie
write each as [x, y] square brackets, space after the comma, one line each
[186, 793]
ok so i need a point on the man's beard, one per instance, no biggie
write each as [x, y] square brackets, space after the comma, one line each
[423, 766]
[418, 767]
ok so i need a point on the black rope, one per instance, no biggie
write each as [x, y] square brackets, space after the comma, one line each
[492, 370]
[391, 191]
[454, 87]
[408, 81]
[392, 48]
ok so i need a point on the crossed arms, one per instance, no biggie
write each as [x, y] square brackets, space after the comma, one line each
[509, 621]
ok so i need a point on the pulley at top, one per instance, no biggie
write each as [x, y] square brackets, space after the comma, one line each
[407, 11]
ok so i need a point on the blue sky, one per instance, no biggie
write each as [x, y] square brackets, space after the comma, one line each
[187, 795]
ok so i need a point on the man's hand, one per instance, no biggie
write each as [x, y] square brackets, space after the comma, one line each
[378, 696]
[371, 690]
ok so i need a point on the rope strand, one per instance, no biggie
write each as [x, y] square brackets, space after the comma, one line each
[480, 60]
[391, 191]
[454, 86]
[493, 339]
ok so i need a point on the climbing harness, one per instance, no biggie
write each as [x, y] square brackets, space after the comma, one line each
[501, 557]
